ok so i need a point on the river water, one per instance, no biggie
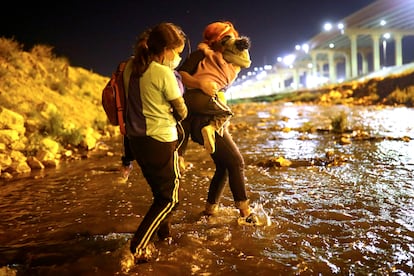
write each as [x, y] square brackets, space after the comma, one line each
[354, 216]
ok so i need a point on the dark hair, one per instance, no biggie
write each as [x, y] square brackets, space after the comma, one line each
[153, 42]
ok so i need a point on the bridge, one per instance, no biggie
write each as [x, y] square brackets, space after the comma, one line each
[345, 50]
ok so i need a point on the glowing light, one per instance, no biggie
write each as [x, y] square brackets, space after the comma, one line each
[331, 45]
[289, 59]
[383, 22]
[386, 35]
[261, 75]
[341, 27]
[297, 47]
[327, 26]
[312, 81]
[305, 47]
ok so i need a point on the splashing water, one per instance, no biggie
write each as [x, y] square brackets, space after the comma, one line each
[262, 215]
[354, 218]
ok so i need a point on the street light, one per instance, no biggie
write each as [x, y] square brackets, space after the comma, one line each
[327, 26]
[341, 27]
[289, 59]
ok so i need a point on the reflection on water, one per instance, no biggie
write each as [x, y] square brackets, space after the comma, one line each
[355, 218]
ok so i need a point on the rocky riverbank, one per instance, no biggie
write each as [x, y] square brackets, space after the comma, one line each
[51, 111]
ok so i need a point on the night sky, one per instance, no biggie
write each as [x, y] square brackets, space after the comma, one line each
[96, 35]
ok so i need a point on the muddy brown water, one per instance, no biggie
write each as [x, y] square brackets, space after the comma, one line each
[351, 218]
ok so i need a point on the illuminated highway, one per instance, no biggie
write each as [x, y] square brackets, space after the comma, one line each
[378, 36]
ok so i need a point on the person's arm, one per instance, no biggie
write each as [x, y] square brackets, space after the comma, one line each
[208, 87]
[179, 109]
[189, 67]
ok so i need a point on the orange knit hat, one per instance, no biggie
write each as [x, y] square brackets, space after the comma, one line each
[217, 30]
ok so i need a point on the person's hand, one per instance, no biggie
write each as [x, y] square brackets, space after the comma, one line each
[209, 87]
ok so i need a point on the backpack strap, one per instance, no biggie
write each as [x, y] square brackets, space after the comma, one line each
[120, 103]
[127, 75]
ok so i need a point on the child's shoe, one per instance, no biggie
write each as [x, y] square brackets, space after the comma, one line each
[208, 133]
[251, 220]
[181, 163]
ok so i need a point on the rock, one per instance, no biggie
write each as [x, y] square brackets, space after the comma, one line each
[5, 160]
[345, 141]
[50, 145]
[34, 163]
[10, 120]
[8, 136]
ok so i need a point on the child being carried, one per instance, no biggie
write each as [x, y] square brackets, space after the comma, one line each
[221, 64]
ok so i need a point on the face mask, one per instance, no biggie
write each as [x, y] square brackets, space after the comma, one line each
[172, 63]
[175, 62]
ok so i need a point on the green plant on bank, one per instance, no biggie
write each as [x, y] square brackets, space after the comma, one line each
[43, 52]
[10, 54]
[59, 86]
[72, 137]
[285, 96]
[305, 96]
[57, 68]
[100, 125]
[308, 127]
[339, 123]
[33, 147]
[54, 127]
[9, 49]
[404, 96]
